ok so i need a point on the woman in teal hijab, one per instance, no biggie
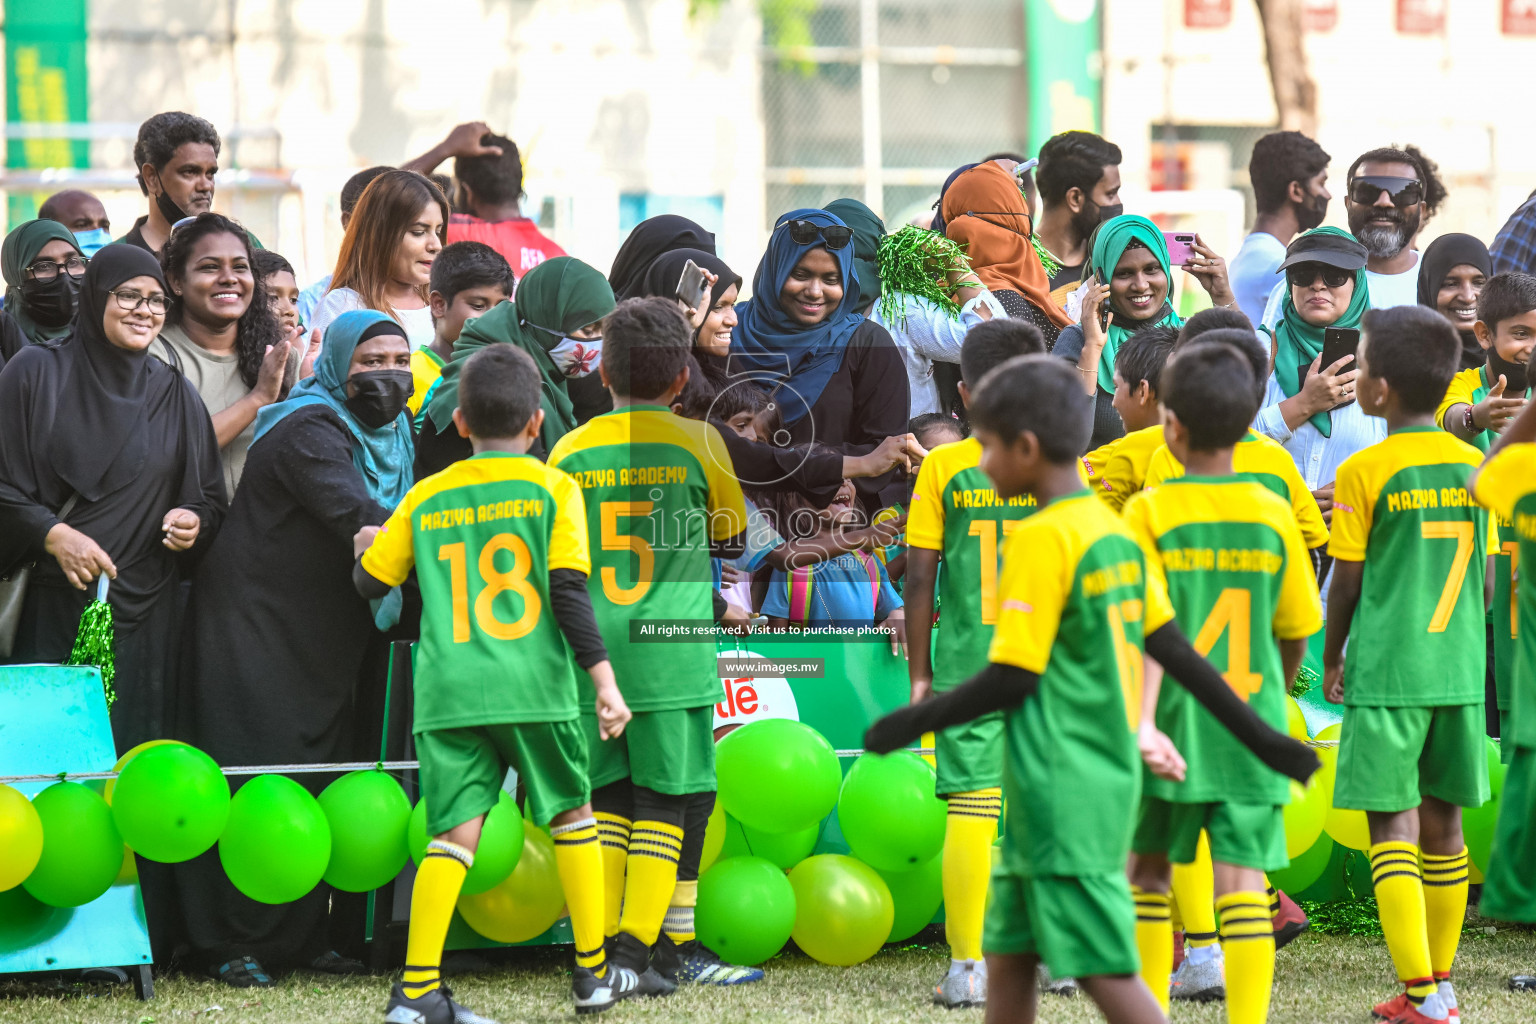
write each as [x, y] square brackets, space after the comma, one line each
[1132, 288]
[43, 268]
[555, 299]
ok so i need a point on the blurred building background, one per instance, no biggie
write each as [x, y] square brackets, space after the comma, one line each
[733, 111]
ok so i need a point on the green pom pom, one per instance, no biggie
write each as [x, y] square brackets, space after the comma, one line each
[1306, 678]
[94, 645]
[918, 261]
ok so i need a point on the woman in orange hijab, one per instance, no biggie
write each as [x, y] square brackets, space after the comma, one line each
[984, 211]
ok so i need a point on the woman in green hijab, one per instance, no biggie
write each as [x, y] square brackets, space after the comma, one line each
[43, 268]
[1132, 289]
[555, 300]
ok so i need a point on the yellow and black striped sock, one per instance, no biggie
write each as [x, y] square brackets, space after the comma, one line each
[1154, 941]
[969, 830]
[1400, 903]
[433, 897]
[650, 877]
[1248, 946]
[678, 924]
[1194, 886]
[613, 836]
[1274, 897]
[1445, 907]
[579, 861]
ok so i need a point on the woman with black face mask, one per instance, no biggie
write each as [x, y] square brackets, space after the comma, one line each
[43, 269]
[283, 657]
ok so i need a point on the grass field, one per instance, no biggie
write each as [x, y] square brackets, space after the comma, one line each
[1318, 978]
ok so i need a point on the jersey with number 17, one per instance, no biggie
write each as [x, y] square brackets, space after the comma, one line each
[658, 488]
[483, 536]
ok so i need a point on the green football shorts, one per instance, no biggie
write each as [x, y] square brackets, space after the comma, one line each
[672, 752]
[462, 769]
[1509, 891]
[970, 756]
[1391, 758]
[1080, 925]
[1247, 835]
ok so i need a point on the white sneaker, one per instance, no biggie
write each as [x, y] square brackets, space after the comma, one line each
[1203, 982]
[963, 986]
[1447, 996]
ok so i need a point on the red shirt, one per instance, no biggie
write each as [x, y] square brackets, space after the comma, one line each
[518, 239]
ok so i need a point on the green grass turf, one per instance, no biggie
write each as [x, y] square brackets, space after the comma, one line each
[1318, 978]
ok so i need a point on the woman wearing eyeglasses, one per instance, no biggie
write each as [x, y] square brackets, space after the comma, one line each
[837, 378]
[1308, 407]
[43, 267]
[109, 465]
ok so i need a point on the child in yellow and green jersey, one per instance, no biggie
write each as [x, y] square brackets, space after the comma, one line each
[1075, 610]
[1239, 577]
[499, 545]
[1506, 483]
[468, 278]
[661, 501]
[1479, 402]
[1409, 547]
[957, 517]
[1116, 470]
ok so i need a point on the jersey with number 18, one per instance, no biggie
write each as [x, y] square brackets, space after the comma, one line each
[659, 488]
[483, 536]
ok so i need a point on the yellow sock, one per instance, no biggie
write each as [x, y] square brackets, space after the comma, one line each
[1248, 946]
[650, 878]
[1194, 886]
[1445, 907]
[1400, 902]
[969, 831]
[579, 861]
[1274, 897]
[438, 882]
[1154, 941]
[613, 835]
[678, 923]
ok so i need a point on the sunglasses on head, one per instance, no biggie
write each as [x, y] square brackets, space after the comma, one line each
[1301, 275]
[1404, 192]
[805, 232]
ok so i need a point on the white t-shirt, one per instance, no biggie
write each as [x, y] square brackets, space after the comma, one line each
[417, 322]
[1387, 290]
[1252, 272]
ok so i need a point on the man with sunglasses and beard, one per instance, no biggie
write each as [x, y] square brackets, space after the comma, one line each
[1385, 203]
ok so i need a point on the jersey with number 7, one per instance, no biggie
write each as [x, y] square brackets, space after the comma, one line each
[1239, 577]
[1402, 507]
[658, 488]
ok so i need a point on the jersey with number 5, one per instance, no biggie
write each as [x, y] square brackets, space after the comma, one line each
[1074, 604]
[659, 488]
[1402, 507]
[956, 511]
[483, 536]
[1239, 576]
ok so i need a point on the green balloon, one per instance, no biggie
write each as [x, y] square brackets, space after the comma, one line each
[82, 851]
[746, 909]
[844, 911]
[26, 922]
[1305, 868]
[501, 844]
[917, 896]
[1477, 827]
[777, 775]
[277, 844]
[785, 849]
[889, 813]
[171, 803]
[367, 812]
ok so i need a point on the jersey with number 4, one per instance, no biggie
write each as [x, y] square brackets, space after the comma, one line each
[1402, 507]
[1239, 576]
[659, 488]
[956, 511]
[1075, 602]
[483, 536]
[1507, 485]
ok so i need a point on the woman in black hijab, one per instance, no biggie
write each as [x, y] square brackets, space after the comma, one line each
[92, 423]
[1452, 273]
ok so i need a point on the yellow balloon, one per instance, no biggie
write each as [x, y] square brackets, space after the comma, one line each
[1295, 721]
[1474, 875]
[1304, 817]
[927, 743]
[1348, 828]
[21, 837]
[129, 872]
[527, 902]
[714, 837]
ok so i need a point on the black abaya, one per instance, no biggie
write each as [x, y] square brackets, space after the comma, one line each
[277, 640]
